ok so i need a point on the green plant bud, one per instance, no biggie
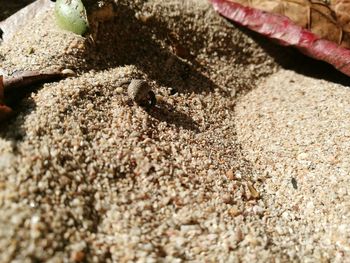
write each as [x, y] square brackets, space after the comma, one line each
[71, 15]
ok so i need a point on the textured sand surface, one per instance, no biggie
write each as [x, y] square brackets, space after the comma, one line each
[239, 161]
[301, 130]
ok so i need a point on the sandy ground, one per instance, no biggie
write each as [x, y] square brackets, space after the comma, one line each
[240, 161]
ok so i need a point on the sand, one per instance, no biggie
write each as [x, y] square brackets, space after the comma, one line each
[240, 160]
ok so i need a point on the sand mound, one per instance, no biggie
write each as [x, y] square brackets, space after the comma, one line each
[85, 174]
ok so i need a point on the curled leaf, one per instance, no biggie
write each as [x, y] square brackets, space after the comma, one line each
[318, 29]
[12, 88]
[5, 111]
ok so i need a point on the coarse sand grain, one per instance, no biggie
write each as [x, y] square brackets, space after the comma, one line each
[205, 176]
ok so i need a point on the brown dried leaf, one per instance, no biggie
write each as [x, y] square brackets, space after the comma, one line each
[12, 88]
[5, 111]
[327, 19]
[324, 36]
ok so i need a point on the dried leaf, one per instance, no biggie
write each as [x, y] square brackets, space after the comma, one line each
[326, 19]
[318, 29]
[11, 88]
[5, 111]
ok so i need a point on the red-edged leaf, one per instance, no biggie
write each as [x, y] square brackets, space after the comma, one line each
[5, 111]
[286, 32]
[22, 82]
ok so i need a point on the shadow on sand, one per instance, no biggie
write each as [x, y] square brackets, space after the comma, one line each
[290, 58]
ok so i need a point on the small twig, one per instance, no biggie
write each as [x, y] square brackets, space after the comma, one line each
[12, 87]
[28, 78]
